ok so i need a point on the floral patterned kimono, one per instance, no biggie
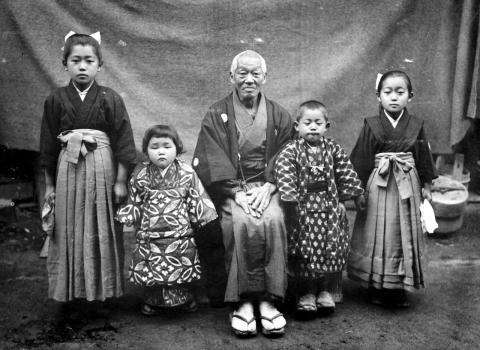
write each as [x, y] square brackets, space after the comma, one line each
[163, 209]
[316, 179]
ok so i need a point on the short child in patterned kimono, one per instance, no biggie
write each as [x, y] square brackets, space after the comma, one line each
[394, 162]
[166, 201]
[314, 176]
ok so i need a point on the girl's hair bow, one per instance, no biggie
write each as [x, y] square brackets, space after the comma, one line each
[95, 35]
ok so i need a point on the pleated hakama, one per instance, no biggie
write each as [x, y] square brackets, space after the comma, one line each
[85, 258]
[387, 238]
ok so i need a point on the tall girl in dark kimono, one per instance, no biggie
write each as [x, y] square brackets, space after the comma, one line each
[393, 159]
[86, 147]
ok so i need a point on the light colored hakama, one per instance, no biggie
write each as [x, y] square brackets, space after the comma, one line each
[387, 239]
[85, 258]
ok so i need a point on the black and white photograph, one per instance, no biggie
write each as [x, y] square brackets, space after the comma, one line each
[223, 174]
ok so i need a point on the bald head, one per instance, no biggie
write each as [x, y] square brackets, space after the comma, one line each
[248, 53]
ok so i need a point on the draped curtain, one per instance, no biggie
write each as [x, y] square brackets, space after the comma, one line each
[466, 85]
[170, 59]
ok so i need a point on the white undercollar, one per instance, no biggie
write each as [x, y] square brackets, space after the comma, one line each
[83, 93]
[164, 171]
[391, 120]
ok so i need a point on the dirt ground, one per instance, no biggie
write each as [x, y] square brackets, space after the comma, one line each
[446, 315]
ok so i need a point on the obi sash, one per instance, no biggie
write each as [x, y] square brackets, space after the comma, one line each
[397, 164]
[82, 141]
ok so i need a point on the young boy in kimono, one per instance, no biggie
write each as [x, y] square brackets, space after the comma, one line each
[314, 176]
[166, 199]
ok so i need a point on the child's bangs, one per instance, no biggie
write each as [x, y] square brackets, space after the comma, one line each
[162, 131]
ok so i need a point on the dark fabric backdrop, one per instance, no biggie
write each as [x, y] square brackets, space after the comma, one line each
[170, 59]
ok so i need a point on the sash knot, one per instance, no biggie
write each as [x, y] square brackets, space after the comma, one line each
[398, 165]
[82, 141]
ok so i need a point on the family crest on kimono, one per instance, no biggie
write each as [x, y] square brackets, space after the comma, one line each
[393, 159]
[86, 150]
[314, 176]
[166, 201]
[234, 156]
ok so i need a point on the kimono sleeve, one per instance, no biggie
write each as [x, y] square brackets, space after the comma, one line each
[131, 213]
[224, 189]
[211, 159]
[49, 145]
[123, 144]
[346, 179]
[425, 165]
[286, 174]
[363, 154]
[200, 207]
[284, 133]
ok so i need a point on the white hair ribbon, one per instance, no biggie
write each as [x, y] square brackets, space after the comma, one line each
[379, 76]
[95, 35]
[69, 34]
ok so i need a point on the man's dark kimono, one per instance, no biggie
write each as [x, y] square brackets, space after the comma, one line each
[255, 247]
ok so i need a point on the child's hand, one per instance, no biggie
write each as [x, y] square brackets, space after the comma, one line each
[48, 189]
[427, 194]
[120, 191]
[360, 203]
[427, 191]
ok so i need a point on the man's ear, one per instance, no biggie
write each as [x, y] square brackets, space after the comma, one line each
[295, 125]
[231, 78]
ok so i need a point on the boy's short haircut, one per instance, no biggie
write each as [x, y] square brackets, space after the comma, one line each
[162, 131]
[310, 104]
[84, 40]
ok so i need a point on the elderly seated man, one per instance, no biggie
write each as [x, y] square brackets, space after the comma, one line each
[239, 138]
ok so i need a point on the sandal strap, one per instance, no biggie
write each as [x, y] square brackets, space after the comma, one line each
[272, 318]
[240, 317]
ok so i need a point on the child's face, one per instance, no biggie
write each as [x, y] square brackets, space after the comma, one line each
[312, 125]
[394, 95]
[82, 65]
[161, 151]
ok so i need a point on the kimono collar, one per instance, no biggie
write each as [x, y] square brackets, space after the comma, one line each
[310, 146]
[392, 121]
[83, 93]
[82, 109]
[251, 128]
[241, 109]
[164, 171]
[157, 170]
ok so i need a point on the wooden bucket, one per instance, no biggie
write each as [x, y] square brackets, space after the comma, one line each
[449, 201]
